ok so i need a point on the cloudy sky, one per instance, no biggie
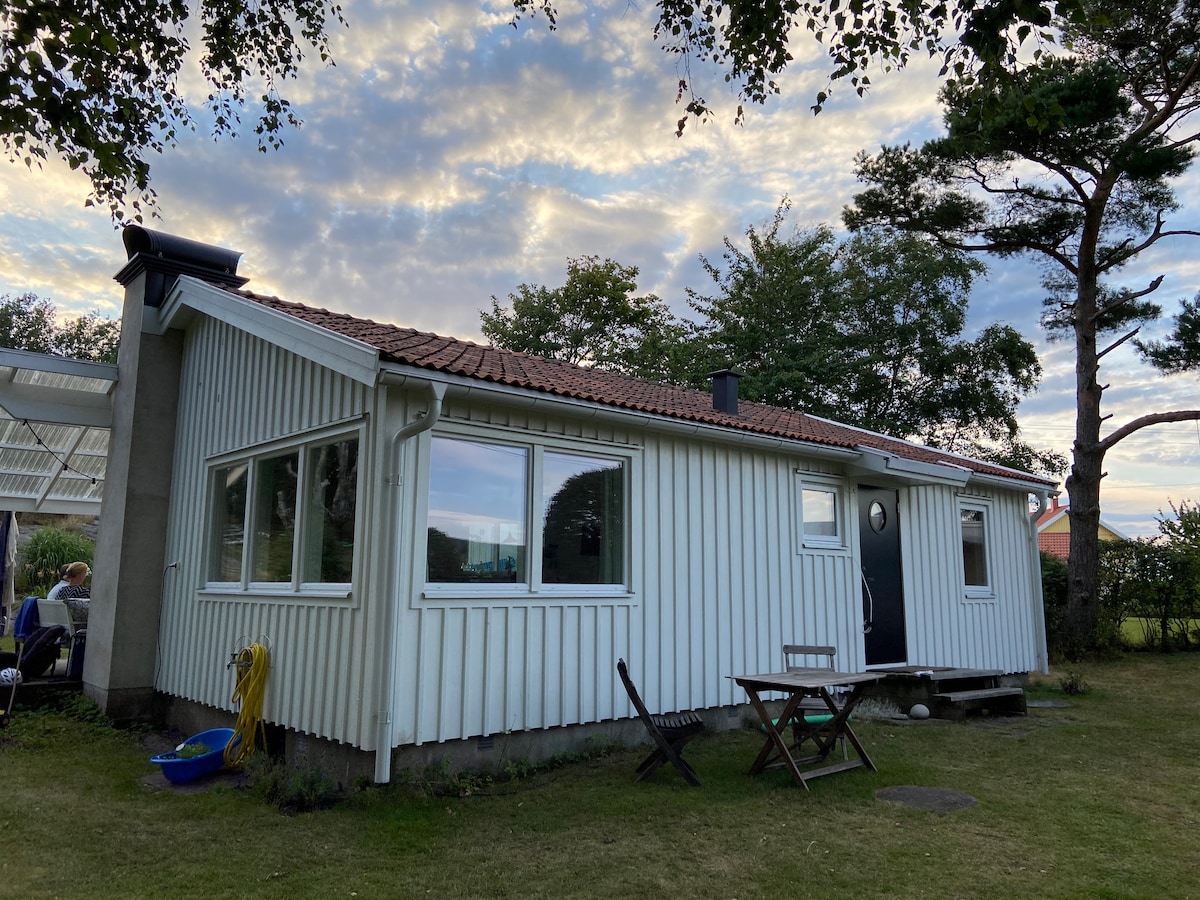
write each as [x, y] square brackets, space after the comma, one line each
[449, 157]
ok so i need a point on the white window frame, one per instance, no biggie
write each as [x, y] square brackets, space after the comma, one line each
[537, 446]
[807, 481]
[251, 458]
[984, 591]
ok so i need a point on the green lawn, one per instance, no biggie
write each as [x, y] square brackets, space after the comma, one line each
[1095, 800]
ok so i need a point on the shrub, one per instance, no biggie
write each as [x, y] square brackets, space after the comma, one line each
[1054, 601]
[1073, 684]
[46, 552]
[292, 790]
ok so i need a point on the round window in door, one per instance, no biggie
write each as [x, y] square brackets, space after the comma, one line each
[877, 516]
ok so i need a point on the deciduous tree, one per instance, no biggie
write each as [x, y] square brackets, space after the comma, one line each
[868, 331]
[1085, 192]
[593, 319]
[749, 42]
[28, 322]
[96, 83]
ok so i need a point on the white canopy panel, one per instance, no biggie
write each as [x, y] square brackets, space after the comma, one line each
[55, 417]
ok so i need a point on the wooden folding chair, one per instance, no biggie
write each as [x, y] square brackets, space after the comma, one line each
[670, 733]
[813, 713]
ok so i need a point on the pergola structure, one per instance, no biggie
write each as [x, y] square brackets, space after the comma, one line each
[55, 418]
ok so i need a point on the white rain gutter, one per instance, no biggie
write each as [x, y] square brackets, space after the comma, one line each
[387, 667]
[463, 387]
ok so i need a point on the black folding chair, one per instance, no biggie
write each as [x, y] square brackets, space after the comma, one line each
[670, 733]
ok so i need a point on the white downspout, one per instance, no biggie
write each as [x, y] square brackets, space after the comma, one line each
[1038, 601]
[387, 667]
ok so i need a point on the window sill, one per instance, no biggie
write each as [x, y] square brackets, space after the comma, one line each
[980, 596]
[522, 594]
[236, 592]
[835, 546]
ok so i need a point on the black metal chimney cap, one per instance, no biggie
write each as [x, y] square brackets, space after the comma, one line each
[164, 257]
[179, 249]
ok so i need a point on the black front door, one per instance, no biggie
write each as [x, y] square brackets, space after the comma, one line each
[882, 586]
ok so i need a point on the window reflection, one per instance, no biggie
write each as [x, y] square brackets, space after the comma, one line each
[230, 509]
[820, 512]
[477, 504]
[332, 477]
[583, 533]
[974, 548]
[275, 517]
[481, 499]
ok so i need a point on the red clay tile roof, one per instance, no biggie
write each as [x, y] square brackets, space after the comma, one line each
[521, 370]
[1057, 543]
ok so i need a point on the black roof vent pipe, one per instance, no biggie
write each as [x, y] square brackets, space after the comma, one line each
[725, 390]
[164, 257]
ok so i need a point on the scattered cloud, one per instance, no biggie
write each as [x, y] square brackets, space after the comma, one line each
[449, 157]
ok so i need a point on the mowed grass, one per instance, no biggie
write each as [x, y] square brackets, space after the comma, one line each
[1099, 799]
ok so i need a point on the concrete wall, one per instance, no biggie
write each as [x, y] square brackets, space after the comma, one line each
[127, 575]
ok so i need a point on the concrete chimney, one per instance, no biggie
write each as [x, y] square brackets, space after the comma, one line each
[130, 549]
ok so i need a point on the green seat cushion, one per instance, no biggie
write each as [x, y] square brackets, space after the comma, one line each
[815, 719]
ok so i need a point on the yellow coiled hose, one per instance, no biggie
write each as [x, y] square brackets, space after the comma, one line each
[248, 692]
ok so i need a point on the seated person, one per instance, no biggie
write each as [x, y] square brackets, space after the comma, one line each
[72, 592]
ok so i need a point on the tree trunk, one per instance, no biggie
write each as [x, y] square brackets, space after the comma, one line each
[1083, 482]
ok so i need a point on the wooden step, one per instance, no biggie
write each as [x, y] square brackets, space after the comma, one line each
[956, 704]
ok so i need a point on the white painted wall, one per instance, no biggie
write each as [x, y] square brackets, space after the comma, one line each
[240, 392]
[708, 600]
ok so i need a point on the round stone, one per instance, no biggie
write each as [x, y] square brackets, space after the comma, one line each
[919, 711]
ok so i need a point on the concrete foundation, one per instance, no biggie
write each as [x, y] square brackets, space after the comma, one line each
[348, 766]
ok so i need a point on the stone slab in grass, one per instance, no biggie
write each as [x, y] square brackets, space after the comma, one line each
[930, 799]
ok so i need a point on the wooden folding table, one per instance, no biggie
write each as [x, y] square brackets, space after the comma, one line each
[797, 685]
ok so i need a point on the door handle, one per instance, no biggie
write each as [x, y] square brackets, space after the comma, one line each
[869, 619]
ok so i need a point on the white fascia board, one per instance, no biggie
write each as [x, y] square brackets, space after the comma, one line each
[58, 406]
[1034, 486]
[57, 507]
[1011, 484]
[58, 365]
[882, 463]
[346, 356]
[462, 386]
[1117, 531]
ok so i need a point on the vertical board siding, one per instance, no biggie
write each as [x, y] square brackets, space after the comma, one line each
[945, 628]
[237, 392]
[719, 579]
[724, 584]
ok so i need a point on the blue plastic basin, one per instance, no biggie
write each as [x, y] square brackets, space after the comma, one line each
[180, 771]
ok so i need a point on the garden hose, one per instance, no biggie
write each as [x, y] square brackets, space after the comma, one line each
[249, 689]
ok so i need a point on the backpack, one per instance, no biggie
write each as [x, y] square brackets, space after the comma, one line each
[42, 650]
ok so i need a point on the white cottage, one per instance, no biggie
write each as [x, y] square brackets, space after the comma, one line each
[443, 542]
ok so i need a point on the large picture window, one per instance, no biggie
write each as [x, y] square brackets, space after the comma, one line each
[524, 515]
[286, 518]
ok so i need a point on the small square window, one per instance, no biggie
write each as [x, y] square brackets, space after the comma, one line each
[820, 513]
[821, 516]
